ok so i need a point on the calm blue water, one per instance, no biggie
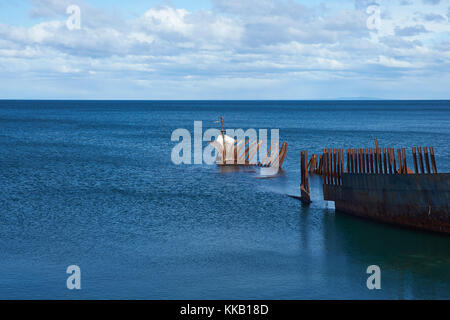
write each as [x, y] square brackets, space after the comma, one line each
[92, 184]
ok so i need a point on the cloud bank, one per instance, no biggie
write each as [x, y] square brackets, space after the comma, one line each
[265, 49]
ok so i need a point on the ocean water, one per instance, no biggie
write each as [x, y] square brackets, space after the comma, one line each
[92, 184]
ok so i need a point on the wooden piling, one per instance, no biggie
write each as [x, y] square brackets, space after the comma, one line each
[385, 161]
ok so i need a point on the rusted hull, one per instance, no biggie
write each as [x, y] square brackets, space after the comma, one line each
[244, 159]
[414, 200]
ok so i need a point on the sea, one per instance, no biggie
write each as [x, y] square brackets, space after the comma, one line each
[92, 184]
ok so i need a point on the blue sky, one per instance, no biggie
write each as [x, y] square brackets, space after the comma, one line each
[225, 49]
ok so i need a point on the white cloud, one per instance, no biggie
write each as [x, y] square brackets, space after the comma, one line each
[235, 44]
[392, 62]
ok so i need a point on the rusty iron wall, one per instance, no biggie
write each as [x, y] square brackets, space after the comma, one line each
[414, 200]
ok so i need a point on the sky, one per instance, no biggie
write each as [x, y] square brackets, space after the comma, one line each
[225, 49]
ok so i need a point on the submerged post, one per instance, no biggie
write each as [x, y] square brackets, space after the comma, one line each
[304, 186]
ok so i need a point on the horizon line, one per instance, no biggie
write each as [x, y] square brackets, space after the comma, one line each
[159, 100]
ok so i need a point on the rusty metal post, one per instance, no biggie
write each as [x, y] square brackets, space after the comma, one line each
[371, 161]
[350, 152]
[309, 163]
[318, 165]
[422, 169]
[359, 160]
[304, 186]
[376, 160]
[335, 165]
[302, 175]
[389, 167]
[316, 162]
[338, 158]
[399, 153]
[367, 161]
[321, 165]
[306, 172]
[380, 163]
[329, 166]
[427, 160]
[342, 161]
[390, 160]
[385, 161]
[394, 168]
[322, 169]
[363, 161]
[348, 161]
[405, 166]
[433, 160]
[416, 168]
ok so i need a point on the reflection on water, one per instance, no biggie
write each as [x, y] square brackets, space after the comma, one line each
[237, 168]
